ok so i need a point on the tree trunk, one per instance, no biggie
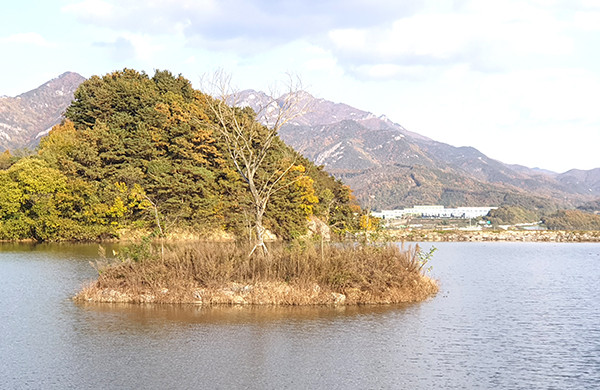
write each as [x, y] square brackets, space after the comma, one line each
[260, 231]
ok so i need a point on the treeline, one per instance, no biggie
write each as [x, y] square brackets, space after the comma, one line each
[140, 153]
[558, 220]
[592, 206]
[510, 215]
[572, 220]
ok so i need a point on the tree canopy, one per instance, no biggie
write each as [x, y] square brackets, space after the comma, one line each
[572, 220]
[139, 152]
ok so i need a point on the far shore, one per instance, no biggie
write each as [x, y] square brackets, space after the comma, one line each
[494, 235]
[391, 235]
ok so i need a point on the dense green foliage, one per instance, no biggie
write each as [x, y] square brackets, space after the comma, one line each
[572, 220]
[510, 215]
[139, 152]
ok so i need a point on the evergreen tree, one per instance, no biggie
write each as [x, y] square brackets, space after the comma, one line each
[139, 152]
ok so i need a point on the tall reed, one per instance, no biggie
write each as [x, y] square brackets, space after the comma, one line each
[293, 274]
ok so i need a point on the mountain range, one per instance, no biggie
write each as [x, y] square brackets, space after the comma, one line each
[24, 119]
[389, 167]
[385, 164]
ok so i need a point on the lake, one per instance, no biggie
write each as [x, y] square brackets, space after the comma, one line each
[508, 315]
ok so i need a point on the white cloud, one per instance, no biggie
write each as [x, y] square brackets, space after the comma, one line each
[562, 95]
[349, 39]
[557, 147]
[234, 24]
[589, 20]
[136, 16]
[466, 72]
[593, 4]
[121, 49]
[29, 38]
[392, 71]
[92, 10]
[320, 64]
[486, 36]
[145, 46]
[191, 60]
[433, 36]
[430, 35]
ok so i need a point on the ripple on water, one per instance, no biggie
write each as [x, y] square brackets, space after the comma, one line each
[509, 315]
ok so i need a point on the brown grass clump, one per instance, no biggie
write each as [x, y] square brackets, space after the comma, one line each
[222, 273]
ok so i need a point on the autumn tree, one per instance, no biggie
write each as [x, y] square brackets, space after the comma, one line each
[572, 220]
[250, 138]
[137, 152]
[6, 159]
[152, 132]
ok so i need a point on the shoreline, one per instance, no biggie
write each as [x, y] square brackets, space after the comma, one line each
[399, 235]
[495, 235]
[265, 294]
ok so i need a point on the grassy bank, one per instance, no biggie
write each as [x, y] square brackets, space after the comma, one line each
[222, 273]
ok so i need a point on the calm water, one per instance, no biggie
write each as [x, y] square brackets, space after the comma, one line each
[509, 315]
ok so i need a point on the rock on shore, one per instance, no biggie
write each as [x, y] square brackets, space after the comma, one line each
[497, 235]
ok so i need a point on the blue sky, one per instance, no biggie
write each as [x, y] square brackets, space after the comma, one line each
[519, 80]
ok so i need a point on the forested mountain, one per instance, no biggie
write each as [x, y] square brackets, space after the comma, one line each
[581, 181]
[386, 165]
[390, 167]
[140, 152]
[24, 119]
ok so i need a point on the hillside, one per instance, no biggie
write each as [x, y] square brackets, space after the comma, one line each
[24, 119]
[581, 181]
[388, 166]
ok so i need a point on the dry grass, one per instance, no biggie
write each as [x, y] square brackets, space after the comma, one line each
[220, 273]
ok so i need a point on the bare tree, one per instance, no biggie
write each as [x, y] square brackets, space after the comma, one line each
[249, 138]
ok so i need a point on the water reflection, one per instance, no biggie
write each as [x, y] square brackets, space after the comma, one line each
[56, 250]
[509, 315]
[237, 314]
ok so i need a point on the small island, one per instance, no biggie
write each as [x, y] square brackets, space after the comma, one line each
[213, 273]
[152, 158]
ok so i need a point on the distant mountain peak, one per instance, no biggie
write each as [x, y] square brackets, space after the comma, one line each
[376, 156]
[371, 153]
[24, 118]
[64, 83]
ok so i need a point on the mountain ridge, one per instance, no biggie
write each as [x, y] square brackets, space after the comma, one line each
[358, 146]
[27, 117]
[387, 165]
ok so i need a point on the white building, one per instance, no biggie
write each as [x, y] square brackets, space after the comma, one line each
[434, 211]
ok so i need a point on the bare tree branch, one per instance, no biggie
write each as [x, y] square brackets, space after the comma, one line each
[249, 143]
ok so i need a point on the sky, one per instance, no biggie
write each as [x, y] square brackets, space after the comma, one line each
[517, 79]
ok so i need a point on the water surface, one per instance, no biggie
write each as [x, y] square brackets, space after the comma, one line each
[508, 315]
